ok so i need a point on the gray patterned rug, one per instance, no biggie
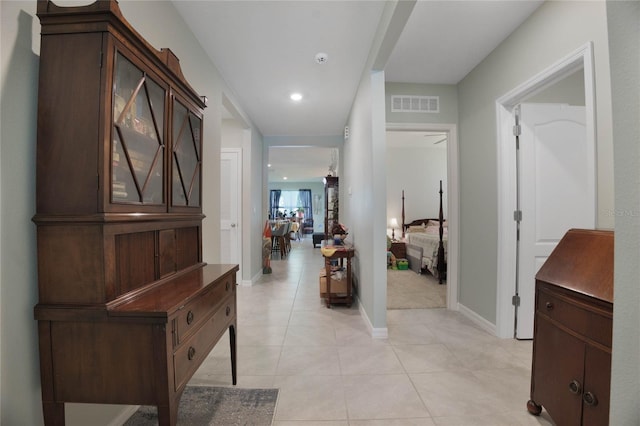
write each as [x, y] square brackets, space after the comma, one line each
[212, 406]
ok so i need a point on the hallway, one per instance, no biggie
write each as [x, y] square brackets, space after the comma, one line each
[435, 368]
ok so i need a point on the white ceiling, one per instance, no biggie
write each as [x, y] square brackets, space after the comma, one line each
[266, 49]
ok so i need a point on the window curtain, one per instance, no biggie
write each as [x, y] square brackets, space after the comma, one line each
[305, 199]
[274, 202]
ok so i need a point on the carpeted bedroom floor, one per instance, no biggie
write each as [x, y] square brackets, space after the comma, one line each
[408, 290]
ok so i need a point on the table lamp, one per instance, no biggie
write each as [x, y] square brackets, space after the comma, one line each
[394, 225]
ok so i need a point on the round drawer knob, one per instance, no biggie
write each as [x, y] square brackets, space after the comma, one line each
[191, 353]
[228, 310]
[574, 387]
[189, 317]
[590, 399]
[549, 306]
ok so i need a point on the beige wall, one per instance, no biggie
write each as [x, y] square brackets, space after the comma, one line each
[624, 44]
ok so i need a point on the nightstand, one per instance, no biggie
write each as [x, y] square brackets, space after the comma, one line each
[399, 249]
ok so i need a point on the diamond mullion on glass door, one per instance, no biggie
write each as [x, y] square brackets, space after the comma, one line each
[139, 126]
[195, 142]
[183, 121]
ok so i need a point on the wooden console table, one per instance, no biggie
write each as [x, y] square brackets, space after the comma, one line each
[338, 252]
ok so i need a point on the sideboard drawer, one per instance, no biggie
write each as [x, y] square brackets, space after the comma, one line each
[582, 319]
[198, 310]
[192, 352]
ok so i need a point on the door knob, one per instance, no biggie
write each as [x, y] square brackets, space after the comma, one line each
[574, 387]
[590, 399]
[233, 225]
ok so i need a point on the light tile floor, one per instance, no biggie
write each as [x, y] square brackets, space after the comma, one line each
[435, 368]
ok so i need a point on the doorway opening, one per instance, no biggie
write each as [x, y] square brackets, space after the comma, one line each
[452, 217]
[580, 60]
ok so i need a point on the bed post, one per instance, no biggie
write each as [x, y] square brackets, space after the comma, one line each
[403, 214]
[442, 267]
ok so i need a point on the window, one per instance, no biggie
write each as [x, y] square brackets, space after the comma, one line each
[285, 202]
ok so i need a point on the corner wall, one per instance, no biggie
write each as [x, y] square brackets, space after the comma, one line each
[624, 45]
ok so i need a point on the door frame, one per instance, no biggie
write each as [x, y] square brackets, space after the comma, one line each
[452, 200]
[237, 152]
[581, 58]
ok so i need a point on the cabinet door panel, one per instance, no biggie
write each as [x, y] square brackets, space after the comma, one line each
[138, 136]
[558, 360]
[597, 382]
[186, 160]
[135, 257]
[167, 248]
[187, 245]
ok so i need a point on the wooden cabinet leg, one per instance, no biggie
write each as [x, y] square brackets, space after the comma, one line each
[53, 413]
[534, 408]
[168, 414]
[232, 346]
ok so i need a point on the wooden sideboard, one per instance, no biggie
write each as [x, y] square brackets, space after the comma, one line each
[571, 369]
[142, 351]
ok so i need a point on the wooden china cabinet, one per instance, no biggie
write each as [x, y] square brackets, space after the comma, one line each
[127, 309]
[331, 205]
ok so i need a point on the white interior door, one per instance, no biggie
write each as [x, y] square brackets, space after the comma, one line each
[557, 191]
[230, 198]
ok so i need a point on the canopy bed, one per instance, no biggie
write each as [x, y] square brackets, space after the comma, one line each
[427, 243]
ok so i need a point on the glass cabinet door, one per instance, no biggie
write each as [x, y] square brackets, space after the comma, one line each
[138, 132]
[186, 160]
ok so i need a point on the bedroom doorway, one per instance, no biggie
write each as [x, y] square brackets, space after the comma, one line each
[546, 87]
[425, 192]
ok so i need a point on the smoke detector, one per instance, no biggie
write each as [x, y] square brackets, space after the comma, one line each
[321, 58]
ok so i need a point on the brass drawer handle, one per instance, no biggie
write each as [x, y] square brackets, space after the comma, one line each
[590, 399]
[549, 306]
[228, 310]
[191, 353]
[574, 387]
[189, 317]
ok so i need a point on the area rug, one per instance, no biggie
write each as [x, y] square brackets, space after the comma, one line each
[209, 406]
[408, 290]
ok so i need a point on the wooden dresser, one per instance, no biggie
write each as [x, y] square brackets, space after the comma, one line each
[127, 310]
[571, 369]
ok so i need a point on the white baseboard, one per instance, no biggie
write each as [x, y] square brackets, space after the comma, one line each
[376, 333]
[252, 281]
[477, 319]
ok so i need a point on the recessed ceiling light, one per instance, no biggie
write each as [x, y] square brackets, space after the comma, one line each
[268, 165]
[296, 97]
[285, 178]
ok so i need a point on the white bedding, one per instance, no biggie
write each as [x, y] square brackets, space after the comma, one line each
[429, 243]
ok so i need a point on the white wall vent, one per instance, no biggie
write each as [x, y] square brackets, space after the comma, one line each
[402, 103]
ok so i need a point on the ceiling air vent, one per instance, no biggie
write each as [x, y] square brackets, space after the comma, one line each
[415, 103]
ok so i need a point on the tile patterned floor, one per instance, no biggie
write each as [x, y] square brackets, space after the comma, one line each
[435, 368]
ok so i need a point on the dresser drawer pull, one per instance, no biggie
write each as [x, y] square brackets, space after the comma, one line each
[189, 317]
[574, 387]
[228, 310]
[590, 399]
[191, 353]
[228, 286]
[549, 306]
